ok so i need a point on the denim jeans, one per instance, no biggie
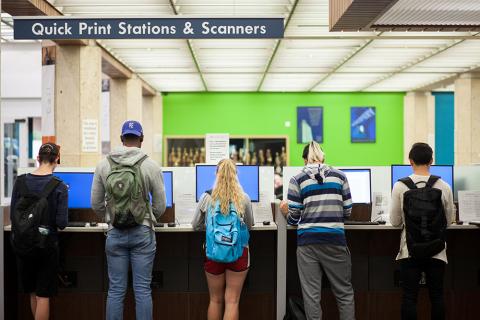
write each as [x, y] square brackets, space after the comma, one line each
[411, 273]
[136, 247]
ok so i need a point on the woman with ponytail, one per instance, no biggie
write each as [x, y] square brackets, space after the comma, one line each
[225, 278]
[319, 201]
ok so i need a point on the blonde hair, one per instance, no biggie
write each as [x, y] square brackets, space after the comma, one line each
[314, 153]
[227, 189]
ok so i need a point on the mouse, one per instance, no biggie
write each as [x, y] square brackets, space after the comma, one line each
[459, 222]
[160, 224]
[382, 222]
[93, 224]
[266, 223]
[171, 224]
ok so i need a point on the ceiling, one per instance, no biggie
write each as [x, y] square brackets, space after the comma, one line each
[309, 58]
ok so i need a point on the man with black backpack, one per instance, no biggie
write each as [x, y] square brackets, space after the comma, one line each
[128, 192]
[423, 205]
[39, 206]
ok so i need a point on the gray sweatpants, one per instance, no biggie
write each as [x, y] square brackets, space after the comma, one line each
[313, 260]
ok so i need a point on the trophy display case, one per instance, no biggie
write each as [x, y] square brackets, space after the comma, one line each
[185, 151]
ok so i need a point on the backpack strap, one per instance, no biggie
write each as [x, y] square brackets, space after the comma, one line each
[432, 180]
[112, 163]
[408, 182]
[51, 185]
[140, 161]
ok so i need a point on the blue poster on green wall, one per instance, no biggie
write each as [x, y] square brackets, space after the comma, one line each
[309, 124]
[362, 124]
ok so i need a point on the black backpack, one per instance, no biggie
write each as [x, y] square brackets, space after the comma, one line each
[425, 221]
[30, 213]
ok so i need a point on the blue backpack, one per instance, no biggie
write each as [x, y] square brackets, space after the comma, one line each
[226, 234]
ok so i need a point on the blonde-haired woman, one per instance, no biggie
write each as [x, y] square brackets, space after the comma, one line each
[225, 280]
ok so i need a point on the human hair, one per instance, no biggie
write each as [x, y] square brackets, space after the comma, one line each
[227, 188]
[313, 153]
[421, 153]
[48, 153]
[131, 139]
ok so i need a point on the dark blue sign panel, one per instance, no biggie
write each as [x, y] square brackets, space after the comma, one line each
[144, 28]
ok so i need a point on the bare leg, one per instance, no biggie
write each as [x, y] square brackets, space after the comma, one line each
[216, 288]
[43, 308]
[233, 291]
[33, 303]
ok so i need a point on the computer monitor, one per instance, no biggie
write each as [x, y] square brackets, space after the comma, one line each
[168, 182]
[247, 175]
[444, 171]
[359, 181]
[79, 187]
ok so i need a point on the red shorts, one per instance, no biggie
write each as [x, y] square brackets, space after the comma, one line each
[217, 268]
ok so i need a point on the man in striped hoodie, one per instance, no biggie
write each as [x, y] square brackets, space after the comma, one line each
[319, 201]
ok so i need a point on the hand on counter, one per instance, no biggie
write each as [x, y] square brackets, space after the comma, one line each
[284, 208]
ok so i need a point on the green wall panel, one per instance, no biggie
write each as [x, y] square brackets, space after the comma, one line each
[266, 114]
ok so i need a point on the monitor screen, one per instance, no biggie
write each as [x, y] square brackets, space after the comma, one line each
[79, 187]
[247, 175]
[168, 182]
[360, 186]
[444, 171]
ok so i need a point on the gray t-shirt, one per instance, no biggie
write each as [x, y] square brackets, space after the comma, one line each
[396, 210]
[198, 222]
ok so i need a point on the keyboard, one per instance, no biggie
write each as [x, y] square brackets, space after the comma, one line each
[76, 224]
[361, 223]
[477, 223]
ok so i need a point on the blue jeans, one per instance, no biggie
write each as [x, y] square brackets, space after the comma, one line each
[135, 246]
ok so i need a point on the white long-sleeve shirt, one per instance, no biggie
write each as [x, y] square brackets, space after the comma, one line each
[397, 218]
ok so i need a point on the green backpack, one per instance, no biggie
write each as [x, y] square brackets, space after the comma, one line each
[126, 198]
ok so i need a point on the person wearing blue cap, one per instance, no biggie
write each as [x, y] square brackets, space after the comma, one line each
[128, 192]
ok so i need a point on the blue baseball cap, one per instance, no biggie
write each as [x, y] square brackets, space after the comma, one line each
[132, 127]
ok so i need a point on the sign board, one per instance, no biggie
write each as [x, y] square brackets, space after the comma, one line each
[34, 28]
[90, 135]
[469, 205]
[216, 147]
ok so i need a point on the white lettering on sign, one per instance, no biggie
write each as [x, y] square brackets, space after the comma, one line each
[39, 29]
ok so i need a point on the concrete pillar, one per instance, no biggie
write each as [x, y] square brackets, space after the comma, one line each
[467, 119]
[126, 103]
[418, 120]
[78, 77]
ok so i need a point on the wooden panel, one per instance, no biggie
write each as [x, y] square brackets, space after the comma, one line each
[358, 14]
[336, 9]
[113, 68]
[29, 8]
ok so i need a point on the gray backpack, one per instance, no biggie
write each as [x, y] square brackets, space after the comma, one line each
[126, 196]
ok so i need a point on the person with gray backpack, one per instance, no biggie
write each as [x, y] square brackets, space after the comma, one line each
[128, 192]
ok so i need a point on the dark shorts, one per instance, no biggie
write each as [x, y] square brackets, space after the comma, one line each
[38, 273]
[217, 268]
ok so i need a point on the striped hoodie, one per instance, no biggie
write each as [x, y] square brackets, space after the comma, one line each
[319, 201]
